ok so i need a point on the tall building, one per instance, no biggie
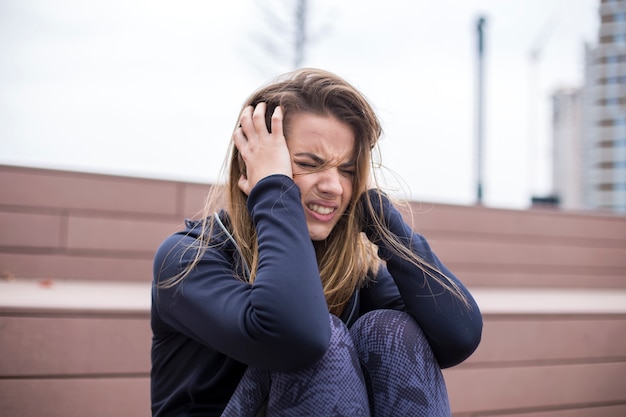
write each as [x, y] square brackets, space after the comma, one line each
[604, 112]
[568, 148]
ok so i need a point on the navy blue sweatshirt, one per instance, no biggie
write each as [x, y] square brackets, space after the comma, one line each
[211, 326]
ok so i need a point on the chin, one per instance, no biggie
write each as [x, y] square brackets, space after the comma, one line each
[318, 237]
[317, 234]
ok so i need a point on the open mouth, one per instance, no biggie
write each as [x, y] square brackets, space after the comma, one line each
[321, 209]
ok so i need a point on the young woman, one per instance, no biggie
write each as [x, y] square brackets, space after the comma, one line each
[308, 295]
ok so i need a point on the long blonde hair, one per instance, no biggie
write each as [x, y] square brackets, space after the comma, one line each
[345, 258]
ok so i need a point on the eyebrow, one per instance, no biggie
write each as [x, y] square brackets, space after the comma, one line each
[312, 156]
[321, 161]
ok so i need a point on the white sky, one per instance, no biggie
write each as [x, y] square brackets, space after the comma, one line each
[153, 88]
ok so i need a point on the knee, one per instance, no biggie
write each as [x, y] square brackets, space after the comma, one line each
[384, 321]
[385, 316]
[382, 329]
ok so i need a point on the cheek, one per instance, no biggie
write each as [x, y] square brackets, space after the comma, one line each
[347, 184]
[302, 181]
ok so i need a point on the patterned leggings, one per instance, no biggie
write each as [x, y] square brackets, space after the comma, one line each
[382, 366]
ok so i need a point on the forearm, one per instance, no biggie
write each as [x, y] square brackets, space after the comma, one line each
[438, 300]
[260, 324]
[287, 272]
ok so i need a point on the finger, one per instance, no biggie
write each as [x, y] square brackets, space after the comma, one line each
[277, 121]
[240, 140]
[245, 120]
[258, 118]
[246, 114]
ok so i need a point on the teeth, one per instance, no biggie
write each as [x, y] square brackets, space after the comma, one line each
[320, 209]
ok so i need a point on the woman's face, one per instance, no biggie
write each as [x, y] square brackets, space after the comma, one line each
[322, 153]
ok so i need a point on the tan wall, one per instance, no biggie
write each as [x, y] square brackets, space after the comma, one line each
[76, 256]
[528, 248]
[65, 225]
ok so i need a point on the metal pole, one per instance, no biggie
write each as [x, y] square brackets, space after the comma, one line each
[301, 29]
[480, 111]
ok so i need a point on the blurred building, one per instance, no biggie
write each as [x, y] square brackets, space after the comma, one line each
[568, 149]
[603, 113]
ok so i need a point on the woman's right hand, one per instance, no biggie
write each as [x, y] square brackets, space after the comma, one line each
[263, 153]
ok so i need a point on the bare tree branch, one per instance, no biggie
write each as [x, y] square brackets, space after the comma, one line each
[285, 36]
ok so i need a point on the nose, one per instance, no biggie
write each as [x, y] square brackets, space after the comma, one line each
[329, 182]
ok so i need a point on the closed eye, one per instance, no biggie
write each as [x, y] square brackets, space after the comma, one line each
[348, 169]
[308, 161]
[306, 165]
[313, 162]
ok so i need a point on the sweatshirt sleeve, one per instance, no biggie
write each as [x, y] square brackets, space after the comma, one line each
[452, 328]
[280, 322]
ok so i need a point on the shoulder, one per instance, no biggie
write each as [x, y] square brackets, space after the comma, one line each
[198, 240]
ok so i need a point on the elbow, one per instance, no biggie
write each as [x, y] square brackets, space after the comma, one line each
[462, 347]
[309, 353]
[302, 348]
